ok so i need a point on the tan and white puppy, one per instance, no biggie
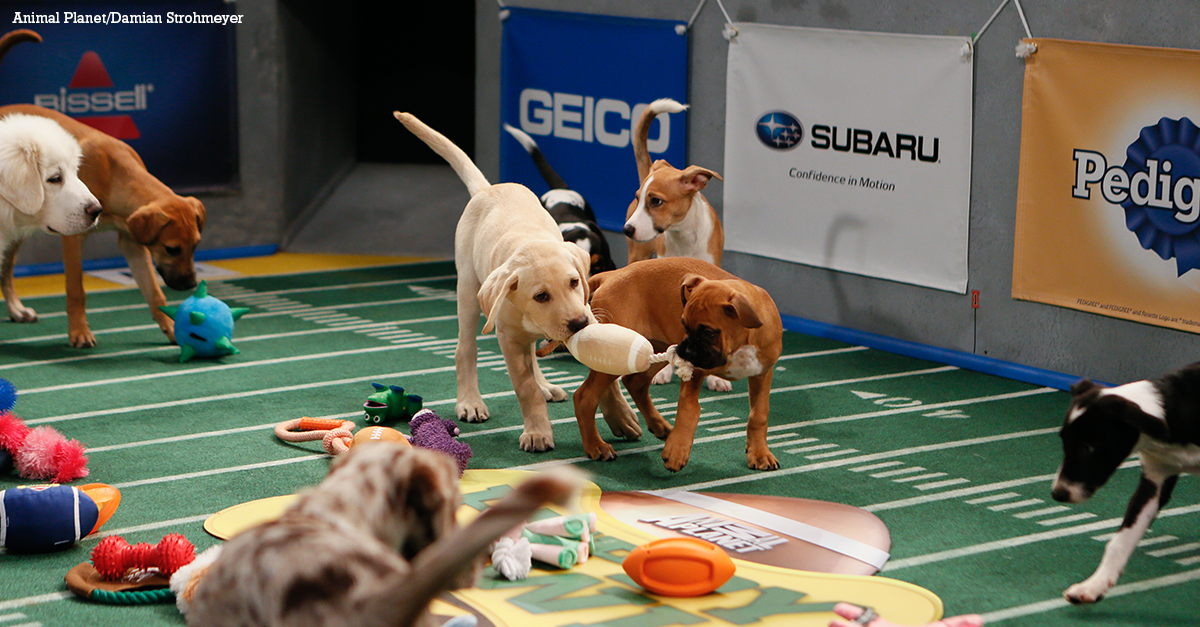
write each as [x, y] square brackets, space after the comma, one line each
[513, 265]
[39, 189]
[723, 325]
[669, 217]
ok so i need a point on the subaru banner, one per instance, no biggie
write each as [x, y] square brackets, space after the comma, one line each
[576, 83]
[850, 151]
[160, 76]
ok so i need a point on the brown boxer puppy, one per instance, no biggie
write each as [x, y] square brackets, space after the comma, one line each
[723, 325]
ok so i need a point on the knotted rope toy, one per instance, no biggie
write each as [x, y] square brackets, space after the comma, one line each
[336, 436]
[616, 350]
[125, 574]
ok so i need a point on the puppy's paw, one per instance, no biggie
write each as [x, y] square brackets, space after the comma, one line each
[762, 461]
[82, 339]
[663, 376]
[625, 426]
[675, 457]
[1089, 591]
[537, 442]
[661, 429]
[717, 384]
[20, 313]
[603, 453]
[471, 411]
[554, 394]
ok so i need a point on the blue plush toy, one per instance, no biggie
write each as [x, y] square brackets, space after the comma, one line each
[204, 325]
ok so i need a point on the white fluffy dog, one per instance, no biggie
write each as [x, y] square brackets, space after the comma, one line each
[39, 189]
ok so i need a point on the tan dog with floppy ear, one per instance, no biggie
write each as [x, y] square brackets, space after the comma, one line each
[723, 325]
[156, 228]
[513, 264]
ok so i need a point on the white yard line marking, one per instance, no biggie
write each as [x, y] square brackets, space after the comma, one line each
[1066, 519]
[932, 475]
[1174, 550]
[1004, 496]
[896, 473]
[815, 447]
[1042, 607]
[941, 484]
[36, 600]
[848, 451]
[239, 395]
[1045, 511]
[1018, 504]
[876, 466]
[1041, 536]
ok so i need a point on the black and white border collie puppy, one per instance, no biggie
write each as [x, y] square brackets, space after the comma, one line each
[568, 207]
[1158, 419]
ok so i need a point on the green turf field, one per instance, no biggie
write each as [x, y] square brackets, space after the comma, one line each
[957, 464]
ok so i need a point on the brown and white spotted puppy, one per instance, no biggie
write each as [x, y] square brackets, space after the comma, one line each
[373, 544]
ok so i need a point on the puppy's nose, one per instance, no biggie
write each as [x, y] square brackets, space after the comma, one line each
[628, 230]
[1062, 495]
[93, 210]
[577, 324]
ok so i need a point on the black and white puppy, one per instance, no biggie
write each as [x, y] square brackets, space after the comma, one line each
[1157, 419]
[569, 209]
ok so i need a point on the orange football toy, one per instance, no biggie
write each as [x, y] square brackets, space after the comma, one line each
[679, 567]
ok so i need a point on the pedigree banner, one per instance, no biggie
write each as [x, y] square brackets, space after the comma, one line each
[850, 151]
[575, 83]
[1109, 191]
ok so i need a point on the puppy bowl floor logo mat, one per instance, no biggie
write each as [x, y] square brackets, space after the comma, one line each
[779, 531]
[598, 592]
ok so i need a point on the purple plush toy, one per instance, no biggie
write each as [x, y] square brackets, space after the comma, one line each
[436, 433]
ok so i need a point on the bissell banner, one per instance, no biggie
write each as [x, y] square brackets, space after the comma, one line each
[576, 83]
[159, 76]
[1109, 191]
[850, 151]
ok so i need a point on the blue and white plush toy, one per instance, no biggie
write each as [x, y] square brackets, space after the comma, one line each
[204, 325]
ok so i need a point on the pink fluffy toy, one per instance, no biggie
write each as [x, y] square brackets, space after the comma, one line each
[41, 453]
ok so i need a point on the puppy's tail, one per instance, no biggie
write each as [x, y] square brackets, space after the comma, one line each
[15, 37]
[462, 164]
[437, 568]
[641, 131]
[551, 177]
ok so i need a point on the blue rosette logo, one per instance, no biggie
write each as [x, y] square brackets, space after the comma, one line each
[1166, 225]
[779, 130]
[1158, 187]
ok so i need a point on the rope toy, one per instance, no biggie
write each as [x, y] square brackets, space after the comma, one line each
[336, 436]
[116, 559]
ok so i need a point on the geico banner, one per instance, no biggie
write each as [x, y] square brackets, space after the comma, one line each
[575, 83]
[850, 151]
[160, 76]
[1109, 192]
